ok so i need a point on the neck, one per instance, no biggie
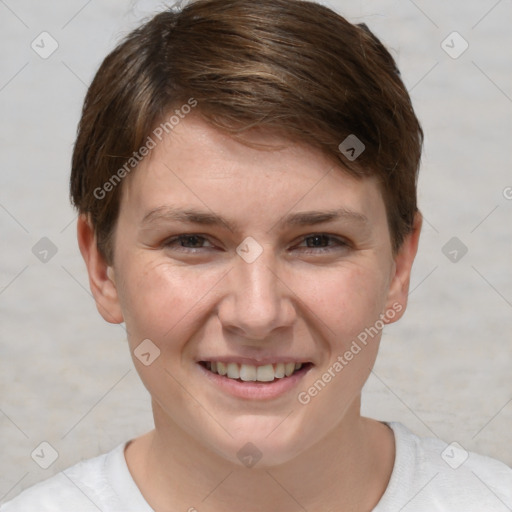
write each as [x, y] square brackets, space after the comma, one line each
[348, 470]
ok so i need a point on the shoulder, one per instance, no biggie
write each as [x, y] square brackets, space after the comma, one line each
[430, 474]
[81, 488]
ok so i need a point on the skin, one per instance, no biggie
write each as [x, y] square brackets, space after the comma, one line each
[199, 298]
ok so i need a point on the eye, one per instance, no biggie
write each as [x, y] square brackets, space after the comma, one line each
[320, 243]
[315, 243]
[186, 242]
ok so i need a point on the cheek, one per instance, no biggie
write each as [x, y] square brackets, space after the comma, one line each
[349, 303]
[159, 299]
[347, 300]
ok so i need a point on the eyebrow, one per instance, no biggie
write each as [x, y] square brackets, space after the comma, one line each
[306, 218]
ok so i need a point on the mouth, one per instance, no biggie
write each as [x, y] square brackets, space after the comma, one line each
[267, 373]
[255, 381]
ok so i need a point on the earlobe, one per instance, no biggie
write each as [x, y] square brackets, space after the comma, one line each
[101, 276]
[401, 273]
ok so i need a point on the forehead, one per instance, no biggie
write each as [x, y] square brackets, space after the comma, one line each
[196, 164]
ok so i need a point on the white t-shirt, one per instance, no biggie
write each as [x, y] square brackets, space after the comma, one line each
[428, 476]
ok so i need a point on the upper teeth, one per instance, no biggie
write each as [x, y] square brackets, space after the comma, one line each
[248, 372]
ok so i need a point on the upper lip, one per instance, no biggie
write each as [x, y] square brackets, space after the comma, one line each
[256, 362]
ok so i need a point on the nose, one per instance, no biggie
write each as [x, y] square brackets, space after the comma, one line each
[258, 301]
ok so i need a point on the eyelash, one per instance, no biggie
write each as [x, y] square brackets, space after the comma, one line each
[340, 243]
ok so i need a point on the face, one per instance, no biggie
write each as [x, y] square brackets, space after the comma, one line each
[256, 263]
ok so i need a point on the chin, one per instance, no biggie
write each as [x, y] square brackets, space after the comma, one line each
[261, 442]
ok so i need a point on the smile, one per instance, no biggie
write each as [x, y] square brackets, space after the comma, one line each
[250, 379]
[252, 373]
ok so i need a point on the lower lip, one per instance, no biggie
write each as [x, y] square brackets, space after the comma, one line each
[256, 390]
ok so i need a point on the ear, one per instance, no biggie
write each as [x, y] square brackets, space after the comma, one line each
[101, 275]
[401, 277]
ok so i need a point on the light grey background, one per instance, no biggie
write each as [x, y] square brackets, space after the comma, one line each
[66, 376]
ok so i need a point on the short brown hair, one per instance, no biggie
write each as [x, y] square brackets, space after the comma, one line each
[288, 65]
